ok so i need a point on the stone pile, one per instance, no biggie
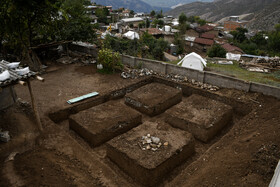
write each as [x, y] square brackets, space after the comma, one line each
[152, 143]
[136, 73]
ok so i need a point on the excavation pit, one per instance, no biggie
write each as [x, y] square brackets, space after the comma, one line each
[147, 166]
[103, 122]
[202, 117]
[154, 98]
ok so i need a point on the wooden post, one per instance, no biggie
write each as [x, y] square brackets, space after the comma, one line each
[34, 106]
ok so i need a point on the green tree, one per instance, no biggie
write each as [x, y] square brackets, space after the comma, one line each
[239, 34]
[76, 24]
[182, 18]
[277, 27]
[102, 14]
[216, 51]
[259, 39]
[153, 13]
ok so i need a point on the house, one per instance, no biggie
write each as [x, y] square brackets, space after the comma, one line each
[203, 44]
[204, 28]
[232, 49]
[125, 13]
[193, 61]
[233, 23]
[129, 21]
[189, 41]
[209, 36]
[153, 31]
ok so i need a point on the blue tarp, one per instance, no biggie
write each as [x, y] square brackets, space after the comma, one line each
[77, 99]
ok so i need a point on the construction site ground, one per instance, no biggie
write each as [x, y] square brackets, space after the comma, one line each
[244, 153]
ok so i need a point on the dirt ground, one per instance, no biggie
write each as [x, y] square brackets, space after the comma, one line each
[244, 154]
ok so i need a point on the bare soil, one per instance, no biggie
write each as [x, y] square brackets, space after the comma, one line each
[244, 153]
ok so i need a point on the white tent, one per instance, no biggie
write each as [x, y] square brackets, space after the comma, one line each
[193, 61]
[131, 35]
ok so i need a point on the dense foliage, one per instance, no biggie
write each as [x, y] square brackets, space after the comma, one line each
[27, 23]
[146, 47]
[216, 51]
[110, 60]
[263, 43]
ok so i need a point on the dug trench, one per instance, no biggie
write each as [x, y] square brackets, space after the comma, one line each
[97, 125]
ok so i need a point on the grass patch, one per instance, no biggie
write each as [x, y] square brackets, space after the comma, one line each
[240, 73]
[175, 62]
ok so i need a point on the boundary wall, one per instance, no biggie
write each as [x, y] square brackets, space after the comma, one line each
[202, 76]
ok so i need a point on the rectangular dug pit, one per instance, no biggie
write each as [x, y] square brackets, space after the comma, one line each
[150, 166]
[103, 122]
[154, 98]
[202, 117]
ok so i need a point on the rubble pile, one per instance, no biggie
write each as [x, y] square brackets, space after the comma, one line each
[136, 73]
[272, 62]
[152, 143]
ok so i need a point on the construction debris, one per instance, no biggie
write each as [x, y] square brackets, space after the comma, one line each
[136, 73]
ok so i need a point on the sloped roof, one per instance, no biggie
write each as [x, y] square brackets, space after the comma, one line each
[14, 77]
[204, 41]
[205, 28]
[231, 48]
[208, 36]
[153, 31]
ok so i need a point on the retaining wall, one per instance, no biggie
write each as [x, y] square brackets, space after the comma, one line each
[202, 76]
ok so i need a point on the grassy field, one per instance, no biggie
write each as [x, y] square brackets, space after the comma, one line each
[240, 73]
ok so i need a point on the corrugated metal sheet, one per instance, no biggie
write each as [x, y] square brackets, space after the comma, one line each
[14, 77]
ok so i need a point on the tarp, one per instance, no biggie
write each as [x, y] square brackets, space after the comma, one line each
[231, 56]
[131, 35]
[193, 61]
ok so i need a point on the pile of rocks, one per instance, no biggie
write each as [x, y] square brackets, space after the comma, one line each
[272, 62]
[152, 143]
[136, 73]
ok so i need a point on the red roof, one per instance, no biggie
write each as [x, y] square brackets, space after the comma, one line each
[231, 48]
[205, 28]
[153, 31]
[208, 36]
[204, 41]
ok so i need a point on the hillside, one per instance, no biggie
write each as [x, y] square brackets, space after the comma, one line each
[135, 5]
[171, 3]
[214, 11]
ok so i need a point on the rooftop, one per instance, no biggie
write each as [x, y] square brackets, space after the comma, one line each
[208, 36]
[204, 41]
[231, 48]
[153, 31]
[14, 76]
[127, 20]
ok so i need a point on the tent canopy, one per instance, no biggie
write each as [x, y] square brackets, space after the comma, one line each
[193, 61]
[131, 35]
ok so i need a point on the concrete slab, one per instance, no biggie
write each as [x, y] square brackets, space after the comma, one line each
[147, 166]
[201, 116]
[154, 98]
[103, 122]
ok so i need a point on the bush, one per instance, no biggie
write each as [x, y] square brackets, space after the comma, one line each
[110, 60]
[217, 51]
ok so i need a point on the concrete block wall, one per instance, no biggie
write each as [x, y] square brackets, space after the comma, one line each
[225, 81]
[204, 77]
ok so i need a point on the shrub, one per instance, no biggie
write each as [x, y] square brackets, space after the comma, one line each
[110, 60]
[217, 51]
